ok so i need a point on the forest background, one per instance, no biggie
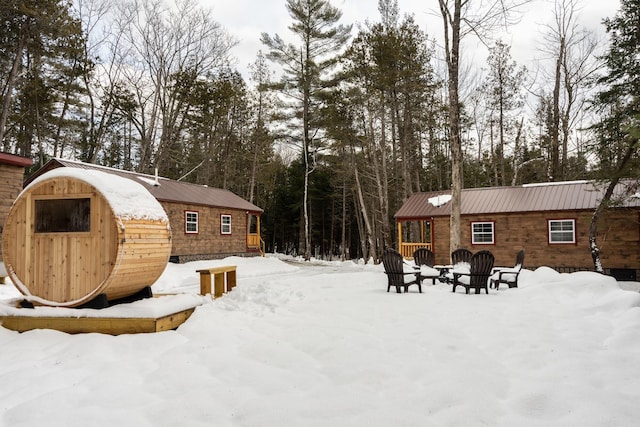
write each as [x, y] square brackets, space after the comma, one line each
[328, 133]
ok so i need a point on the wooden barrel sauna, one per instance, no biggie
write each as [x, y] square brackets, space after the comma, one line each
[74, 234]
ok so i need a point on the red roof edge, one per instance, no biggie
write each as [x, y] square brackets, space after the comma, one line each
[13, 160]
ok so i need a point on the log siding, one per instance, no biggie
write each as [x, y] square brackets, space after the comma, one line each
[618, 238]
[209, 242]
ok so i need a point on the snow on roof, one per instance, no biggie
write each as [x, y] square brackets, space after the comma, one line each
[548, 184]
[165, 190]
[439, 200]
[128, 199]
[155, 182]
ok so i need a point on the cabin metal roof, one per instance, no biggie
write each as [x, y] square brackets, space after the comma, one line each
[167, 190]
[13, 160]
[555, 196]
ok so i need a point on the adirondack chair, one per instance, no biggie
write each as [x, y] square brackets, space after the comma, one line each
[424, 257]
[397, 274]
[509, 276]
[481, 265]
[458, 257]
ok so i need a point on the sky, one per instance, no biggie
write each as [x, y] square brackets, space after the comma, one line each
[247, 19]
[324, 344]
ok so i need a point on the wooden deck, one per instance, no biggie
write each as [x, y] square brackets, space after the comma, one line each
[103, 325]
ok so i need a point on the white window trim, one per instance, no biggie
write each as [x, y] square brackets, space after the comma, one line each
[473, 234]
[561, 242]
[223, 225]
[187, 222]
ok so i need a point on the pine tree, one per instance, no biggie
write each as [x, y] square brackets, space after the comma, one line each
[503, 87]
[619, 129]
[39, 45]
[305, 76]
[391, 89]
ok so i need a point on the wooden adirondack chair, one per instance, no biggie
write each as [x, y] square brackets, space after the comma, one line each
[481, 265]
[460, 255]
[509, 276]
[424, 257]
[394, 268]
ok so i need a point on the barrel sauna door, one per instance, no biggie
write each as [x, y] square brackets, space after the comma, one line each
[72, 249]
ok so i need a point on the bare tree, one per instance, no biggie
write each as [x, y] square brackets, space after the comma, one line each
[573, 52]
[99, 85]
[169, 49]
[462, 18]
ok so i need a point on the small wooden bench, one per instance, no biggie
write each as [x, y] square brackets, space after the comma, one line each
[221, 275]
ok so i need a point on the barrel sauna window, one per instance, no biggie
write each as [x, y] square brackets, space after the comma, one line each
[63, 215]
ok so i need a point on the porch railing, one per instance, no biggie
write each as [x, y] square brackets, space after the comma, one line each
[407, 249]
[254, 241]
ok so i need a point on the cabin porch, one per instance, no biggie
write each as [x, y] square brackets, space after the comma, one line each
[414, 234]
[254, 240]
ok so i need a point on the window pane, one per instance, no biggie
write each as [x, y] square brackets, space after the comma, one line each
[63, 215]
[562, 231]
[225, 224]
[482, 232]
[191, 222]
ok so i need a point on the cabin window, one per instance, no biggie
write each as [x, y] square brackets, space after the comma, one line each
[191, 222]
[225, 224]
[482, 233]
[63, 215]
[562, 231]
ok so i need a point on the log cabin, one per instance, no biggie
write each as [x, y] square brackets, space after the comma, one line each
[206, 222]
[550, 221]
[11, 178]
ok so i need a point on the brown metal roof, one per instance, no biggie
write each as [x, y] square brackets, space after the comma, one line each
[168, 190]
[13, 160]
[555, 196]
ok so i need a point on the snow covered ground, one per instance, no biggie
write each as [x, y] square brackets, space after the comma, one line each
[324, 344]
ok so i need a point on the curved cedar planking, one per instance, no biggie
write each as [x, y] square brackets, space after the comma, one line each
[118, 257]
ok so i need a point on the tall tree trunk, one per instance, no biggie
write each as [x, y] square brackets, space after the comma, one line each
[516, 150]
[554, 169]
[606, 199]
[494, 151]
[501, 142]
[368, 236]
[307, 171]
[343, 231]
[452, 48]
